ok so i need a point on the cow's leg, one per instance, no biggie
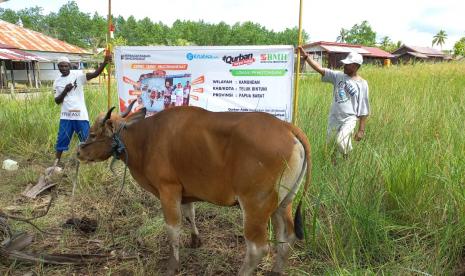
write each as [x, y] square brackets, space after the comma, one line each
[170, 198]
[189, 213]
[283, 226]
[255, 216]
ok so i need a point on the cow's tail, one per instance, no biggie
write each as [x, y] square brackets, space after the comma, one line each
[298, 221]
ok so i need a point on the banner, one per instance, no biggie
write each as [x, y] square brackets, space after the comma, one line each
[226, 78]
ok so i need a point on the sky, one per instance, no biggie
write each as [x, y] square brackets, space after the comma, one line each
[412, 22]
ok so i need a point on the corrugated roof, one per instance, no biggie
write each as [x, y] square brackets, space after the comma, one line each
[29, 40]
[55, 56]
[426, 50]
[377, 52]
[7, 52]
[327, 43]
[4, 55]
[6, 46]
[336, 47]
[415, 54]
[343, 49]
[422, 50]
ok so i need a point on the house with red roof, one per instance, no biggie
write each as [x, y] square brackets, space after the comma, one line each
[330, 54]
[11, 58]
[43, 52]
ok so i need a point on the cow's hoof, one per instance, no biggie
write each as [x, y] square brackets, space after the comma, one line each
[196, 242]
[173, 267]
[171, 272]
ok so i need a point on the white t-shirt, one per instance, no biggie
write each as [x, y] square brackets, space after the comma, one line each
[74, 105]
[350, 97]
[178, 92]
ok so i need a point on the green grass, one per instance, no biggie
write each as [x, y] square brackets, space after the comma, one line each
[396, 206]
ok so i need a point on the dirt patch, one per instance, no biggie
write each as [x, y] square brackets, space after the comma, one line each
[137, 227]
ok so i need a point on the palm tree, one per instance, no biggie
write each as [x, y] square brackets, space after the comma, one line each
[385, 42]
[342, 35]
[439, 38]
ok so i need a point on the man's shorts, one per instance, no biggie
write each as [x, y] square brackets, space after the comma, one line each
[66, 131]
[341, 134]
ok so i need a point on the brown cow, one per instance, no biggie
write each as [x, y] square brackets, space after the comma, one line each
[188, 154]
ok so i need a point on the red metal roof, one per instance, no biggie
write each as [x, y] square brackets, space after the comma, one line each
[6, 46]
[26, 39]
[376, 52]
[8, 52]
[346, 48]
[10, 56]
[322, 43]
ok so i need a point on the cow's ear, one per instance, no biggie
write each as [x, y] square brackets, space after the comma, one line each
[135, 117]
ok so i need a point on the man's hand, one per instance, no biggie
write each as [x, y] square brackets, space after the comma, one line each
[106, 60]
[68, 87]
[359, 135]
[108, 57]
[59, 99]
[315, 65]
[302, 52]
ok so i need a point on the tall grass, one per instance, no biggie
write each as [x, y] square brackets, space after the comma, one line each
[396, 206]
[29, 126]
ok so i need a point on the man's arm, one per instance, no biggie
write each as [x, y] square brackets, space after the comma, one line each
[361, 128]
[99, 70]
[315, 65]
[60, 98]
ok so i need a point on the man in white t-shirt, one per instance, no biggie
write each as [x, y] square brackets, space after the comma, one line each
[69, 93]
[350, 100]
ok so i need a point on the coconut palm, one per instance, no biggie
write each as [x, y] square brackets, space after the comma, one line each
[439, 38]
[342, 35]
[385, 41]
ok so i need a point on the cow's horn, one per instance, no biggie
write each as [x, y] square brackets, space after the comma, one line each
[108, 115]
[128, 110]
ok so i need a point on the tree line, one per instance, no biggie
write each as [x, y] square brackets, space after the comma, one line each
[363, 34]
[89, 31]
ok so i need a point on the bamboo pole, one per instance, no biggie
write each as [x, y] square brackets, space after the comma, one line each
[109, 50]
[297, 75]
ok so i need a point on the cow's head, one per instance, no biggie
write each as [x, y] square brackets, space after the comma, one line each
[99, 144]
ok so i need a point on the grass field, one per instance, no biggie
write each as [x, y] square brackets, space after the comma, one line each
[396, 206]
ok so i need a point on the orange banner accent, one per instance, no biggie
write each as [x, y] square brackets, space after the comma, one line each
[159, 66]
[128, 80]
[198, 90]
[199, 80]
[135, 92]
[196, 98]
[122, 105]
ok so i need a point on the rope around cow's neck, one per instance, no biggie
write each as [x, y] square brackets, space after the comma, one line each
[118, 148]
[75, 182]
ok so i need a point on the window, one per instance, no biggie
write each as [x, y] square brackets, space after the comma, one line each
[19, 65]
